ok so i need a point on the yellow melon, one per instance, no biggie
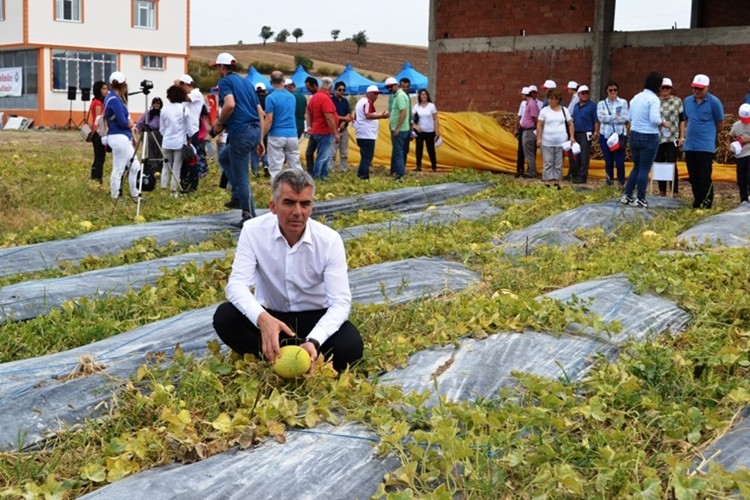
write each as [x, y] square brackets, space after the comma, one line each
[293, 362]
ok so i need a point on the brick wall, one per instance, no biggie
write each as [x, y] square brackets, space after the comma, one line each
[718, 13]
[724, 64]
[488, 81]
[483, 18]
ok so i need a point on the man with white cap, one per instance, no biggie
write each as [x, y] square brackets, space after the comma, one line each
[673, 137]
[586, 126]
[528, 132]
[399, 127]
[704, 114]
[740, 134]
[197, 112]
[366, 124]
[282, 130]
[299, 107]
[573, 93]
[240, 116]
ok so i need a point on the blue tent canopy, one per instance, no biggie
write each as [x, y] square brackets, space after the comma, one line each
[417, 79]
[355, 83]
[298, 77]
[255, 77]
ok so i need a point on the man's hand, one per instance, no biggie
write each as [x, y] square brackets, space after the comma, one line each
[311, 350]
[261, 149]
[270, 328]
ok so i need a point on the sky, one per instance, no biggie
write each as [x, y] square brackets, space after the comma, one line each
[242, 20]
[228, 21]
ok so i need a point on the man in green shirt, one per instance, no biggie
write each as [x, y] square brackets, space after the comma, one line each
[301, 105]
[399, 126]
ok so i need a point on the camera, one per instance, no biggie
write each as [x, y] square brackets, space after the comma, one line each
[146, 86]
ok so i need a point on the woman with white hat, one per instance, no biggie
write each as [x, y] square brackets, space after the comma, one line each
[120, 137]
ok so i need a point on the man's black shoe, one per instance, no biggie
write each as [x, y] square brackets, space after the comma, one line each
[233, 203]
[529, 176]
[245, 217]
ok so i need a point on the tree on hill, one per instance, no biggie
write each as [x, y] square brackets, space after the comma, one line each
[360, 39]
[282, 36]
[265, 33]
[297, 34]
[335, 34]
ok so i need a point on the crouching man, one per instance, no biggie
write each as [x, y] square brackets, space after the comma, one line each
[298, 269]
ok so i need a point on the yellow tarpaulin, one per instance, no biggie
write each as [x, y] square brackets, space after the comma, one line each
[473, 140]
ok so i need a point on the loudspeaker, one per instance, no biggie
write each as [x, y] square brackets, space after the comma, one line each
[72, 93]
[85, 94]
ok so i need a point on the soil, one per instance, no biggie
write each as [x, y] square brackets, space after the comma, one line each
[376, 61]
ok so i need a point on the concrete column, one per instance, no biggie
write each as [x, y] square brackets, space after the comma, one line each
[604, 23]
[432, 51]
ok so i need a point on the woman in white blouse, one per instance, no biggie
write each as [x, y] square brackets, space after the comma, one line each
[426, 125]
[553, 128]
[173, 128]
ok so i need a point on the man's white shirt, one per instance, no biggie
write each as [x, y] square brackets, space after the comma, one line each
[311, 275]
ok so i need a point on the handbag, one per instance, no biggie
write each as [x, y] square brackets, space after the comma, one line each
[189, 154]
[101, 123]
[86, 133]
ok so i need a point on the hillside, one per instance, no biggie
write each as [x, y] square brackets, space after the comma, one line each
[378, 60]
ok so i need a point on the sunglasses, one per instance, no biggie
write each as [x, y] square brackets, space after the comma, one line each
[666, 88]
[611, 90]
[340, 89]
[586, 93]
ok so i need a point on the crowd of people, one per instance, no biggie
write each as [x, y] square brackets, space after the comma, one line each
[255, 126]
[162, 132]
[655, 124]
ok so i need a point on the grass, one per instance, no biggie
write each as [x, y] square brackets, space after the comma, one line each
[632, 428]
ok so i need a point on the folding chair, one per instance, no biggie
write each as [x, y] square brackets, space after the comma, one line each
[663, 172]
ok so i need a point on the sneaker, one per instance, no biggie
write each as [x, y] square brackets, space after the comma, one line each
[626, 200]
[233, 203]
[640, 203]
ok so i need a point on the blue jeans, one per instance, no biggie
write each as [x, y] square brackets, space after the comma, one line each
[399, 143]
[366, 152]
[612, 158]
[643, 148]
[235, 160]
[325, 148]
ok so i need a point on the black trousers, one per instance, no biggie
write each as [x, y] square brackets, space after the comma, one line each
[700, 168]
[97, 168]
[667, 153]
[242, 336]
[312, 146]
[520, 157]
[426, 139]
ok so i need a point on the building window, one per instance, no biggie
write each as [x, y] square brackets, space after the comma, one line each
[72, 68]
[152, 62]
[68, 10]
[144, 13]
[27, 60]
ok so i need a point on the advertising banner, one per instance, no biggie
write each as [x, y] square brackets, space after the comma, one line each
[11, 82]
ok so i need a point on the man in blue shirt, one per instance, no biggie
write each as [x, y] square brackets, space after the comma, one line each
[747, 97]
[704, 115]
[240, 116]
[344, 112]
[586, 125]
[281, 126]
